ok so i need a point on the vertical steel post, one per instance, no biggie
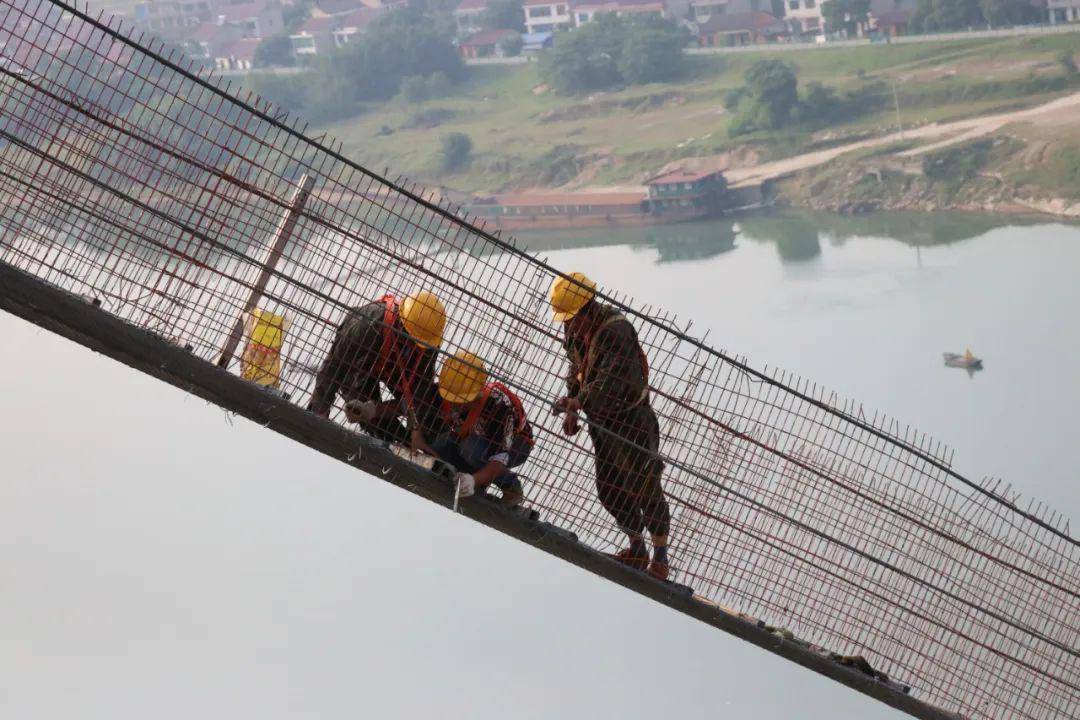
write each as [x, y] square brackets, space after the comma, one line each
[281, 239]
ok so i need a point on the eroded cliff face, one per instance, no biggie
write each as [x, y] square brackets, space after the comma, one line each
[1003, 173]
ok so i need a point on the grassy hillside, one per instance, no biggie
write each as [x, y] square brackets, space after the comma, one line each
[524, 135]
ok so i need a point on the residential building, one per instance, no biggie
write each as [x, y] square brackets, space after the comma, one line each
[805, 16]
[746, 28]
[352, 24]
[1061, 11]
[314, 37]
[702, 10]
[320, 35]
[555, 210]
[587, 10]
[487, 43]
[171, 18]
[890, 17]
[532, 43]
[255, 19]
[467, 16]
[207, 39]
[545, 16]
[237, 56]
[681, 191]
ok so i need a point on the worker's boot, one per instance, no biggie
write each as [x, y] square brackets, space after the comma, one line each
[659, 568]
[635, 556]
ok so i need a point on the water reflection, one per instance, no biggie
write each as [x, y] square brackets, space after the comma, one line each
[672, 243]
[797, 235]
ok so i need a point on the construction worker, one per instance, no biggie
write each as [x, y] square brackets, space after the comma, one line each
[487, 434]
[609, 382]
[393, 343]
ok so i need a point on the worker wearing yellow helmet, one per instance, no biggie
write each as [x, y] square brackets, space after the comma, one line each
[486, 430]
[608, 381]
[390, 342]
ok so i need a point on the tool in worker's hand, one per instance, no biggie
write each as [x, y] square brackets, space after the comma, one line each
[464, 486]
[360, 410]
[428, 462]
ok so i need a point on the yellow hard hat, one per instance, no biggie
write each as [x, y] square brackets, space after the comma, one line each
[568, 296]
[462, 377]
[424, 318]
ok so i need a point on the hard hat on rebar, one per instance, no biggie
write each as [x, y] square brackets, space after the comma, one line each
[424, 318]
[569, 294]
[462, 377]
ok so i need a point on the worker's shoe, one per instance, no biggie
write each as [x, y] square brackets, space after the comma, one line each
[659, 569]
[635, 557]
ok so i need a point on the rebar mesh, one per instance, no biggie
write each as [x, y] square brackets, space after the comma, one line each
[132, 178]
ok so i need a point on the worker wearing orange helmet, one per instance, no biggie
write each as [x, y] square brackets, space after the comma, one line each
[487, 432]
[390, 342]
[609, 382]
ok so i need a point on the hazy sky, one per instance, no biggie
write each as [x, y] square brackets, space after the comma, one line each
[158, 560]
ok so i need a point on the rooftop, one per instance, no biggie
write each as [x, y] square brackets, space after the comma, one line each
[679, 175]
[243, 11]
[622, 5]
[487, 37]
[472, 4]
[741, 22]
[579, 198]
[243, 49]
[338, 7]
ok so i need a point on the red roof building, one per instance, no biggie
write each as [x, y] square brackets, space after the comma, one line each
[484, 44]
[740, 29]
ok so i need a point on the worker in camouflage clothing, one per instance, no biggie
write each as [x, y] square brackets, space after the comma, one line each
[393, 343]
[609, 382]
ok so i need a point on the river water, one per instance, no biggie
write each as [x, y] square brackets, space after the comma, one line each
[867, 305]
[158, 559]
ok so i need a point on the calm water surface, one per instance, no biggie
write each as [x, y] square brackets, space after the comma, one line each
[158, 560]
[866, 306]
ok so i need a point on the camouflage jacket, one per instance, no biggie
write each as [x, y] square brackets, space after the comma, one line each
[353, 368]
[608, 372]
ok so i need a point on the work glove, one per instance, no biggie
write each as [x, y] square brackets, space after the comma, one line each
[360, 410]
[465, 484]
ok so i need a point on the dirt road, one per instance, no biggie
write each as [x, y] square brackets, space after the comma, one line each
[950, 133]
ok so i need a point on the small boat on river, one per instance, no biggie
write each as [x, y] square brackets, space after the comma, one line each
[967, 361]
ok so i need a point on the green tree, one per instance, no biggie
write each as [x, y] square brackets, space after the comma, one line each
[455, 151]
[940, 15]
[1008, 12]
[1068, 62]
[652, 51]
[295, 13]
[773, 86]
[414, 89]
[511, 45]
[503, 15]
[397, 45]
[847, 15]
[610, 51]
[275, 51]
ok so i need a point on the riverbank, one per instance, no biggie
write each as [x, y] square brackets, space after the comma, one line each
[527, 138]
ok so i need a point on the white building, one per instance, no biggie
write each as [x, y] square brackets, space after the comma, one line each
[544, 16]
[804, 16]
[467, 15]
[585, 11]
[1062, 11]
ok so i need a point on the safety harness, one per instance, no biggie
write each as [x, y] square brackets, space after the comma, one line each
[389, 347]
[521, 429]
[591, 351]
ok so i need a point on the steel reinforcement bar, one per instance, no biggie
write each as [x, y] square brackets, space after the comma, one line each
[189, 211]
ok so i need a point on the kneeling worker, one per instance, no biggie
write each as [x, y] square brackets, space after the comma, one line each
[488, 431]
[388, 342]
[609, 381]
